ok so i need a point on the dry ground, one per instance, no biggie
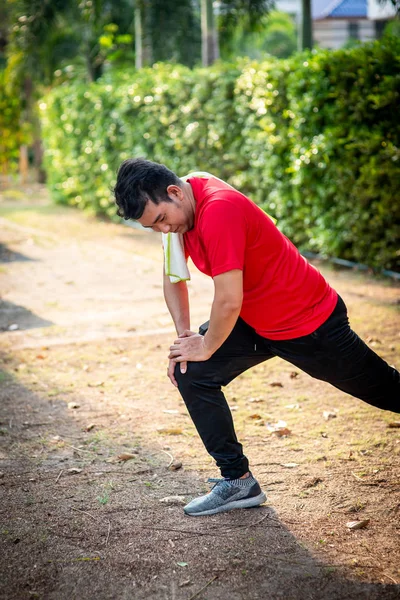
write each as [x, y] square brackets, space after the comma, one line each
[83, 381]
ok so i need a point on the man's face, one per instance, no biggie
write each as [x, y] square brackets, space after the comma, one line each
[167, 217]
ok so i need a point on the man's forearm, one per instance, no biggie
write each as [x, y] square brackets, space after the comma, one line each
[222, 320]
[177, 300]
[225, 310]
[226, 307]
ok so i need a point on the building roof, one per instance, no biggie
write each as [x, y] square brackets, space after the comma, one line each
[331, 9]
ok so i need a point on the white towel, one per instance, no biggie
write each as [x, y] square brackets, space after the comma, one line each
[174, 254]
[174, 257]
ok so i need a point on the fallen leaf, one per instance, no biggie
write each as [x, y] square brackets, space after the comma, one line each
[74, 471]
[276, 384]
[294, 374]
[170, 430]
[171, 412]
[125, 456]
[256, 400]
[182, 564]
[41, 356]
[289, 465]
[13, 327]
[90, 427]
[176, 465]
[234, 407]
[96, 384]
[186, 582]
[394, 424]
[255, 416]
[327, 414]
[312, 482]
[357, 524]
[281, 432]
[293, 406]
[173, 500]
[72, 405]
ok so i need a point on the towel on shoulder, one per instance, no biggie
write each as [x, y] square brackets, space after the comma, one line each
[175, 265]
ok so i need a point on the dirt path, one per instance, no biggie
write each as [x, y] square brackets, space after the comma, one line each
[84, 334]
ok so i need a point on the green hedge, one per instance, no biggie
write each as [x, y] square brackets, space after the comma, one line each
[12, 134]
[314, 140]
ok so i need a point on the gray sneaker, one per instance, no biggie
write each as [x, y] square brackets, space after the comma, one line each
[227, 494]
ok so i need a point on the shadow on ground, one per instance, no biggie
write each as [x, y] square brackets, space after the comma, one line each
[8, 256]
[18, 317]
[77, 524]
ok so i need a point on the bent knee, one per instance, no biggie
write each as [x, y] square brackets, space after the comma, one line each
[197, 374]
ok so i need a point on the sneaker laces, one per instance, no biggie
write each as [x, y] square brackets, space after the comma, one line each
[217, 481]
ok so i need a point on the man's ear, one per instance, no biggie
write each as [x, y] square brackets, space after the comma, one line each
[175, 191]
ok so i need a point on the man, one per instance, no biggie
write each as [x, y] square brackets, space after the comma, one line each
[268, 301]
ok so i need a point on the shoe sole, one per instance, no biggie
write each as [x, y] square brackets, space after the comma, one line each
[245, 503]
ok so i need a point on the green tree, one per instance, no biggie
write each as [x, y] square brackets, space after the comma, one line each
[45, 36]
[277, 35]
[175, 31]
[233, 20]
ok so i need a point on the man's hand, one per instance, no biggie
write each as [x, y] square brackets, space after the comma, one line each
[171, 372]
[172, 362]
[189, 346]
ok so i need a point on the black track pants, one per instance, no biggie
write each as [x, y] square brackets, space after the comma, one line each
[332, 353]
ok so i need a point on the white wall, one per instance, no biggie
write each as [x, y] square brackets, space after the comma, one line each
[334, 33]
[376, 11]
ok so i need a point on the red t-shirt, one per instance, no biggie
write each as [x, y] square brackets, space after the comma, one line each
[284, 297]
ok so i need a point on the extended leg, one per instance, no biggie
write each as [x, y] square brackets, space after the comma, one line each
[336, 354]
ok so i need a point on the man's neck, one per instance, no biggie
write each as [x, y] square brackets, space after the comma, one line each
[190, 200]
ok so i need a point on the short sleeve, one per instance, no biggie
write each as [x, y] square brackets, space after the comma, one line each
[223, 235]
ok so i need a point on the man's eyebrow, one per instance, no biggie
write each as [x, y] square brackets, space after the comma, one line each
[154, 222]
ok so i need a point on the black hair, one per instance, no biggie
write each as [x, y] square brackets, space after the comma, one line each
[138, 181]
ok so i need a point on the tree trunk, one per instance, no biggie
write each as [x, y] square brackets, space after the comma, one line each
[209, 38]
[306, 25]
[23, 164]
[138, 38]
[146, 33]
[38, 158]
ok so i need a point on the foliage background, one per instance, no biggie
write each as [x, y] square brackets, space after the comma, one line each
[13, 134]
[313, 139]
